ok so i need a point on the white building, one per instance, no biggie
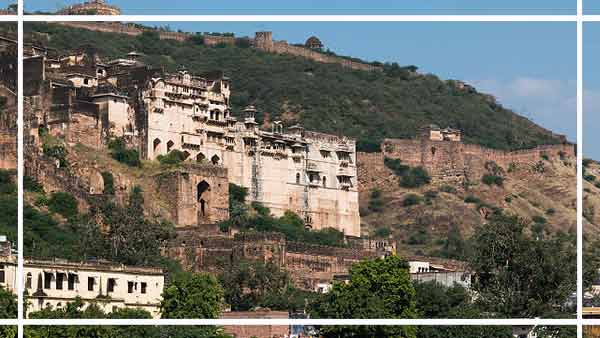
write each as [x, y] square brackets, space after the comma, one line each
[54, 283]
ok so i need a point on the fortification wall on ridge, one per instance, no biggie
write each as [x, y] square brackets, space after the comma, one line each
[446, 159]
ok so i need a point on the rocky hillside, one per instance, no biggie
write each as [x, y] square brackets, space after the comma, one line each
[369, 106]
[591, 197]
[437, 218]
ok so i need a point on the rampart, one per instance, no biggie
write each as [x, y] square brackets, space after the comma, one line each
[278, 47]
[447, 159]
[264, 41]
[308, 264]
[122, 28]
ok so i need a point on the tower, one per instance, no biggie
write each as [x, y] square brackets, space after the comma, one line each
[264, 40]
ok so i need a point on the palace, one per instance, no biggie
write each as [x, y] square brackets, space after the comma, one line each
[88, 101]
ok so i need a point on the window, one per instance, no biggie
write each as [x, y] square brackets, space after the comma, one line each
[298, 178]
[143, 286]
[111, 285]
[324, 182]
[28, 280]
[91, 282]
[86, 81]
[129, 287]
[60, 277]
[2, 274]
[47, 280]
[71, 281]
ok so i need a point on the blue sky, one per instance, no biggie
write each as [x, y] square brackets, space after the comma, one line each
[529, 67]
[591, 84]
[327, 7]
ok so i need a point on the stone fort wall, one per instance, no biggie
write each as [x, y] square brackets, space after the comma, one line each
[446, 159]
[120, 28]
[308, 264]
[263, 41]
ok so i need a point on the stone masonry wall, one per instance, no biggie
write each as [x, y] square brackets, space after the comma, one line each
[8, 150]
[279, 47]
[196, 195]
[307, 264]
[445, 160]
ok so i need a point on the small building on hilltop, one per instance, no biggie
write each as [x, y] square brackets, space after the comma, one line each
[313, 43]
[92, 7]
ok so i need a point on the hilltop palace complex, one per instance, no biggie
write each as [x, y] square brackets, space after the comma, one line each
[309, 173]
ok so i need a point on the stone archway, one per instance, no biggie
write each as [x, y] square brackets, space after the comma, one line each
[215, 159]
[200, 158]
[170, 145]
[202, 198]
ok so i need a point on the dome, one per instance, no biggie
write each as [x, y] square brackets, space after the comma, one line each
[313, 42]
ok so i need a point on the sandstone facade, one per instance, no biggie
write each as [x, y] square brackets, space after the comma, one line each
[309, 173]
[309, 265]
[8, 110]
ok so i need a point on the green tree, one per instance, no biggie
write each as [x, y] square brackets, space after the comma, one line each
[192, 296]
[518, 276]
[378, 288]
[249, 284]
[134, 240]
[8, 304]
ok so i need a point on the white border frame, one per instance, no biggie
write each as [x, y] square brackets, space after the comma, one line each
[577, 18]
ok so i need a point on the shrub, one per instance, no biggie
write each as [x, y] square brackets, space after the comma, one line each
[376, 202]
[63, 203]
[589, 177]
[396, 166]
[383, 232]
[31, 184]
[539, 219]
[508, 199]
[550, 211]
[419, 237]
[597, 184]
[41, 201]
[109, 185]
[119, 152]
[448, 188]
[492, 179]
[174, 157]
[431, 194]
[415, 178]
[545, 157]
[56, 151]
[411, 199]
[472, 199]
[587, 162]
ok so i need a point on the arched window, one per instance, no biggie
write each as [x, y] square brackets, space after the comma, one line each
[156, 144]
[298, 178]
[200, 157]
[201, 188]
[432, 150]
[170, 145]
[28, 280]
[324, 182]
[186, 155]
[215, 160]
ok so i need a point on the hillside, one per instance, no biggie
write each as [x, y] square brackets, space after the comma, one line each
[591, 196]
[366, 105]
[437, 219]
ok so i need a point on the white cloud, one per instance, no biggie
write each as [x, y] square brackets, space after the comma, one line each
[549, 102]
